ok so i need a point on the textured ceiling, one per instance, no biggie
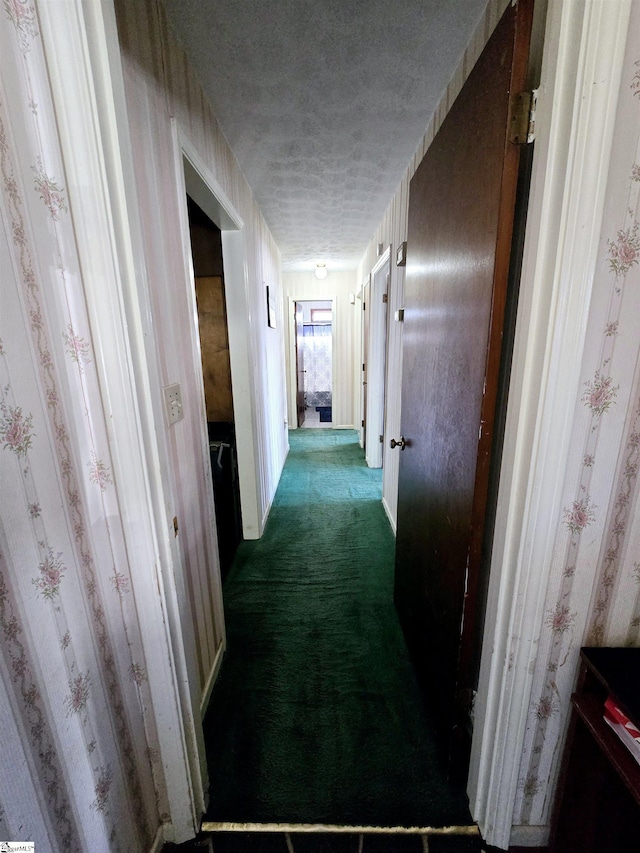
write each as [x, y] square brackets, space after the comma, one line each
[323, 104]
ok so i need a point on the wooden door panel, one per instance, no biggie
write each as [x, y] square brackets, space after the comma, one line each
[460, 223]
[214, 345]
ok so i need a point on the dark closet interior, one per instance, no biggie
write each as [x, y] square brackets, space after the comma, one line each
[206, 250]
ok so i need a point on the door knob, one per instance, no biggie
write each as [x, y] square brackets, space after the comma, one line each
[401, 444]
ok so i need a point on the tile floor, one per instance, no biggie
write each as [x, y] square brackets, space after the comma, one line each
[312, 420]
[327, 842]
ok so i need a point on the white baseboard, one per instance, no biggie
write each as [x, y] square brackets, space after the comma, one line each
[159, 840]
[211, 680]
[342, 426]
[529, 836]
[265, 515]
[388, 512]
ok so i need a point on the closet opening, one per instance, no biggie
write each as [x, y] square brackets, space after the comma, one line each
[374, 297]
[208, 268]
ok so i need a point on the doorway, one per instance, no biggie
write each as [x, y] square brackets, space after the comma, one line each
[314, 363]
[374, 359]
[208, 268]
[201, 186]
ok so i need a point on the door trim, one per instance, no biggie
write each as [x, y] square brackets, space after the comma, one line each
[584, 52]
[363, 296]
[291, 346]
[298, 355]
[87, 85]
[196, 179]
[377, 362]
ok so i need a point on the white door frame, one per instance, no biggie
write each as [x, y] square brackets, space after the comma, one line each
[363, 296]
[583, 57]
[195, 179]
[377, 360]
[291, 328]
[87, 85]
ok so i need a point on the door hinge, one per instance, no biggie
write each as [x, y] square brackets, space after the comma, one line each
[363, 423]
[363, 367]
[464, 701]
[385, 298]
[522, 121]
[381, 437]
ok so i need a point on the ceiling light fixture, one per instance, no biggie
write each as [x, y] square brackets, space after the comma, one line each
[321, 271]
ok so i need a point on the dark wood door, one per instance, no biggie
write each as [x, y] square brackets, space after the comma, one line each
[461, 207]
[300, 371]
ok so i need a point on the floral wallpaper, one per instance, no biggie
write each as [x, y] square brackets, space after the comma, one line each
[78, 745]
[594, 595]
[79, 758]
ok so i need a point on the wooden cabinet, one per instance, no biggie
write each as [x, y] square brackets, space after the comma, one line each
[598, 801]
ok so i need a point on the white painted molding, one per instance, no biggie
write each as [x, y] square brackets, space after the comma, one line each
[583, 56]
[189, 177]
[158, 841]
[196, 178]
[239, 322]
[336, 402]
[384, 258]
[224, 209]
[364, 295]
[377, 363]
[85, 71]
[205, 190]
[291, 351]
[211, 680]
[389, 516]
[292, 403]
[269, 504]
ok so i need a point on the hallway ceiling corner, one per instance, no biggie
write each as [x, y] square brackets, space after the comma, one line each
[323, 104]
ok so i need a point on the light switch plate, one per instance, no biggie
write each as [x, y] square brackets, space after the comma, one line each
[173, 403]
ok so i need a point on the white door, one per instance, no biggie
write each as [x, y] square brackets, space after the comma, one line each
[376, 362]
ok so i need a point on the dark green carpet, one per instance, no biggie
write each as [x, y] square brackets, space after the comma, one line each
[316, 716]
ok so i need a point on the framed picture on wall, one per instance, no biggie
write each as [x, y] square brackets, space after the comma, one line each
[271, 309]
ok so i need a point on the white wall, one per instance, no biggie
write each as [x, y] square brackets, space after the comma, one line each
[337, 286]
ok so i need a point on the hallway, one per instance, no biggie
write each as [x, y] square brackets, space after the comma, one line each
[316, 716]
